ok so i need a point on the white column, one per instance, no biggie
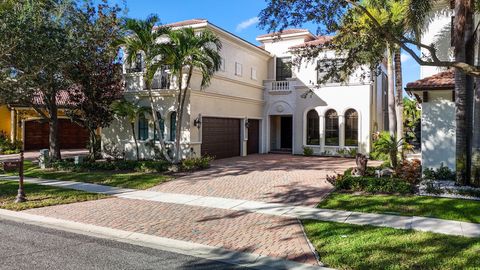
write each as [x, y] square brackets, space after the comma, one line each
[13, 125]
[322, 133]
[341, 126]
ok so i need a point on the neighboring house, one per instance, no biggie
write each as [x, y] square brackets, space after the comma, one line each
[436, 93]
[23, 123]
[254, 104]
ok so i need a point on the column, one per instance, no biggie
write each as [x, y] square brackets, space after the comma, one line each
[322, 133]
[13, 125]
[341, 131]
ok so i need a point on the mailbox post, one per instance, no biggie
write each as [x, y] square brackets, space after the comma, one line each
[21, 193]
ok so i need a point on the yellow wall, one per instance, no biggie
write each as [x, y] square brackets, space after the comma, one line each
[5, 120]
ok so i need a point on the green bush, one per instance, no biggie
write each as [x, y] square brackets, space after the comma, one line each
[196, 163]
[373, 184]
[120, 165]
[307, 151]
[7, 147]
[442, 173]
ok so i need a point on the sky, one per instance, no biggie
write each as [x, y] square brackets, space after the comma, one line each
[237, 17]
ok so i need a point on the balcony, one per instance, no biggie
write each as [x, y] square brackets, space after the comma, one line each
[162, 81]
[280, 87]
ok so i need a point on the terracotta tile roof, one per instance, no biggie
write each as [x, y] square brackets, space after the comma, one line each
[186, 22]
[63, 99]
[322, 40]
[284, 32]
[442, 80]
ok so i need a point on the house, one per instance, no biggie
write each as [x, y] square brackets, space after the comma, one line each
[22, 123]
[256, 104]
[435, 91]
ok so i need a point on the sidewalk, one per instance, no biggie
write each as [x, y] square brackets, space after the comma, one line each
[276, 209]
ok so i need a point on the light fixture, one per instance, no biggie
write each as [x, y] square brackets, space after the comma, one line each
[197, 122]
[247, 124]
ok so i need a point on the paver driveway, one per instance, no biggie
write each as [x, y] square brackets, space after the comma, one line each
[295, 180]
[269, 178]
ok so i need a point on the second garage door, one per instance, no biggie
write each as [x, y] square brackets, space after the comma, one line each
[220, 137]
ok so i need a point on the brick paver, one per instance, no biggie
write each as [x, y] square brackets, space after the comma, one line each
[295, 180]
[234, 230]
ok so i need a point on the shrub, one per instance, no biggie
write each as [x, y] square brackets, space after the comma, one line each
[196, 163]
[119, 165]
[442, 173]
[7, 147]
[373, 184]
[385, 147]
[410, 171]
[307, 151]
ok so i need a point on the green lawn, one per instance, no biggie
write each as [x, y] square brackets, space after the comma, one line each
[40, 196]
[135, 180]
[344, 246]
[444, 208]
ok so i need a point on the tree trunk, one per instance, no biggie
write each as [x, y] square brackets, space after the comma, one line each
[178, 127]
[157, 126]
[132, 126]
[462, 170]
[399, 100]
[93, 151]
[180, 115]
[53, 130]
[392, 117]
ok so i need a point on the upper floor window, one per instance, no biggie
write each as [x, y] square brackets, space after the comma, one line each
[222, 64]
[351, 128]
[142, 127]
[238, 69]
[283, 68]
[253, 74]
[331, 128]
[313, 128]
[325, 65]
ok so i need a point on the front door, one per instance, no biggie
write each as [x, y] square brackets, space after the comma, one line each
[286, 132]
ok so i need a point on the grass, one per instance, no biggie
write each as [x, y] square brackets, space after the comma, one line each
[444, 208]
[135, 180]
[41, 196]
[344, 246]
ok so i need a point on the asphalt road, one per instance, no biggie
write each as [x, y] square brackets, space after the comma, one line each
[25, 246]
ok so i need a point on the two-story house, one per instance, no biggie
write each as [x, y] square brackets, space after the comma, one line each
[256, 104]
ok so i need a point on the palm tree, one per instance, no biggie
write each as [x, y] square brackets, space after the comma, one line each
[142, 38]
[130, 111]
[185, 52]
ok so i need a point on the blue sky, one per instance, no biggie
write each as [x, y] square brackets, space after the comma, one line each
[238, 17]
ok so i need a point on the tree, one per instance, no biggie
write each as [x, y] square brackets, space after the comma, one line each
[33, 70]
[142, 38]
[96, 76]
[129, 111]
[411, 116]
[186, 51]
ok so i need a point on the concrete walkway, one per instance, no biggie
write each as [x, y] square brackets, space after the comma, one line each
[34, 154]
[276, 209]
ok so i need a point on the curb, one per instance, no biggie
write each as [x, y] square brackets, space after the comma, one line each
[243, 259]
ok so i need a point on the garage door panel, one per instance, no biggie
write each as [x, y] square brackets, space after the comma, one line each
[220, 137]
[70, 135]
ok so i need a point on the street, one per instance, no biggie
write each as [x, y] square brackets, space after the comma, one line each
[24, 246]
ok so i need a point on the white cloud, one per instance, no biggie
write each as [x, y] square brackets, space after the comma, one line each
[405, 57]
[247, 23]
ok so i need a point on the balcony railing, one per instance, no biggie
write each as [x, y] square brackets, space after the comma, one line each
[279, 87]
[161, 81]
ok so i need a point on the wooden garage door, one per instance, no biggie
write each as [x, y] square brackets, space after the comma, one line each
[71, 135]
[220, 137]
[253, 142]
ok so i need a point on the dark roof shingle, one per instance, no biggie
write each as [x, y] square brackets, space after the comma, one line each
[322, 40]
[442, 80]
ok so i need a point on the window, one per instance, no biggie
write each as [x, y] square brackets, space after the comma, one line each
[173, 125]
[142, 127]
[351, 128]
[161, 124]
[331, 128]
[254, 74]
[284, 68]
[238, 69]
[222, 64]
[313, 128]
[324, 66]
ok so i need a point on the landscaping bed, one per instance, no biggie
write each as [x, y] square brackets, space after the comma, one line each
[344, 246]
[41, 196]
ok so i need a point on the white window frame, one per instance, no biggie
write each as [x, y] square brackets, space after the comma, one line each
[238, 69]
[222, 64]
[253, 74]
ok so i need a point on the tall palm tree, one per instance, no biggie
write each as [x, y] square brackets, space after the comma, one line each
[130, 111]
[142, 38]
[185, 52]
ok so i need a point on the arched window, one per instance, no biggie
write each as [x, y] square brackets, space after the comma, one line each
[173, 125]
[161, 124]
[331, 128]
[313, 128]
[142, 127]
[351, 128]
